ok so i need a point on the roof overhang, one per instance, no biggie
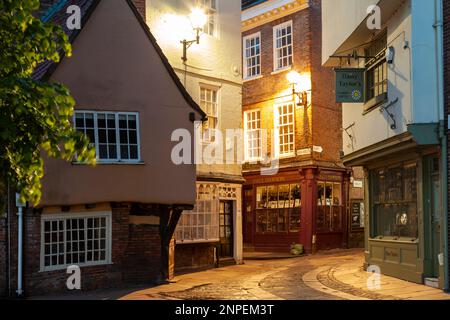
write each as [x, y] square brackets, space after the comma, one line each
[362, 34]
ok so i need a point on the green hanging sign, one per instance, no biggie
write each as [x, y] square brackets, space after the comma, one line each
[350, 86]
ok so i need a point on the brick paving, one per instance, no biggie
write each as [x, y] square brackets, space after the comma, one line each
[334, 275]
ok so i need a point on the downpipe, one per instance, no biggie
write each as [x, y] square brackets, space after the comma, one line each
[20, 207]
[438, 27]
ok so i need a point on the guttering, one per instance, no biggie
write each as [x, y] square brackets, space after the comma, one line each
[20, 207]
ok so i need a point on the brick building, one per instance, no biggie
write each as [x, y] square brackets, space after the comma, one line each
[290, 116]
[116, 220]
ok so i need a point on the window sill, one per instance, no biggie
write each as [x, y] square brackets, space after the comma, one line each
[253, 78]
[106, 163]
[402, 240]
[281, 70]
[82, 265]
[373, 103]
[196, 241]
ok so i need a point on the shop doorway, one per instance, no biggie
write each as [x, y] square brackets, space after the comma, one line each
[226, 229]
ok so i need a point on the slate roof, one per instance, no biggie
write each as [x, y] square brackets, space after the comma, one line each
[54, 11]
[246, 4]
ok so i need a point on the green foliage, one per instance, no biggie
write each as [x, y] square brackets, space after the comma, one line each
[34, 116]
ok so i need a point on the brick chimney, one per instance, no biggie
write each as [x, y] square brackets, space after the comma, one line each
[140, 5]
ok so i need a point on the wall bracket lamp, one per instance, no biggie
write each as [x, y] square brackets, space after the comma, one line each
[301, 86]
[198, 20]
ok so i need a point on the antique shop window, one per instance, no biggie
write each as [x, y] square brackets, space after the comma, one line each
[376, 74]
[115, 135]
[210, 7]
[283, 46]
[394, 201]
[209, 102]
[329, 207]
[202, 223]
[278, 208]
[253, 135]
[69, 239]
[285, 127]
[252, 55]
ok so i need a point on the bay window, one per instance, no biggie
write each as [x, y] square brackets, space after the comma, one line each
[278, 208]
[394, 201]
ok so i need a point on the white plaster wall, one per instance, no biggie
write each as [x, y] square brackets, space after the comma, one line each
[215, 61]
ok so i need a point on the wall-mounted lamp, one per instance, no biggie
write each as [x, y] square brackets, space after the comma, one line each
[301, 86]
[198, 20]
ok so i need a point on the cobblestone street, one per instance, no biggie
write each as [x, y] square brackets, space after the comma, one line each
[334, 275]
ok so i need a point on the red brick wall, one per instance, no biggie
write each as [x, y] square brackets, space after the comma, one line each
[193, 257]
[447, 82]
[319, 125]
[140, 5]
[135, 257]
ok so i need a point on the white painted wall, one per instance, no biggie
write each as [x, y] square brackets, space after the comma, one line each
[412, 77]
[215, 61]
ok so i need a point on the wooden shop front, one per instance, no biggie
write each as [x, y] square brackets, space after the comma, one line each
[304, 206]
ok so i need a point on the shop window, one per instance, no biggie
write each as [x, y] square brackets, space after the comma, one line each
[329, 207]
[394, 201]
[79, 239]
[278, 208]
[202, 223]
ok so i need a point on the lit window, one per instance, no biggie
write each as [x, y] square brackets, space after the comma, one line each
[252, 55]
[253, 138]
[210, 7]
[278, 208]
[115, 135]
[75, 240]
[202, 223]
[329, 207]
[284, 124]
[209, 103]
[283, 46]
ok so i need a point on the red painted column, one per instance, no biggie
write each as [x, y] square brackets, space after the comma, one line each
[309, 190]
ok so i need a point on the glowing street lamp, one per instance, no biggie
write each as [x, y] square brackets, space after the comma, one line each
[198, 20]
[301, 85]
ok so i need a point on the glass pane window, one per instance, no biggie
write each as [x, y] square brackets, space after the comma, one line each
[210, 8]
[394, 201]
[209, 103]
[376, 65]
[278, 208]
[283, 45]
[80, 241]
[253, 135]
[202, 223]
[115, 135]
[252, 56]
[286, 129]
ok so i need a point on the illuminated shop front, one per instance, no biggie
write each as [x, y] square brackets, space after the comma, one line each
[302, 206]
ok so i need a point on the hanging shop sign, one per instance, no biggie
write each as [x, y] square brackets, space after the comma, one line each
[350, 85]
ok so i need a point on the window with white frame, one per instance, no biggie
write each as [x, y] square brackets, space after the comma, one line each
[283, 55]
[202, 223]
[252, 55]
[210, 8]
[115, 135]
[73, 239]
[285, 126]
[209, 102]
[253, 135]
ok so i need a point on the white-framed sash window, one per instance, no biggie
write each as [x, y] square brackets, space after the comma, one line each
[82, 239]
[252, 55]
[283, 48]
[210, 8]
[209, 102]
[253, 135]
[115, 135]
[285, 129]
